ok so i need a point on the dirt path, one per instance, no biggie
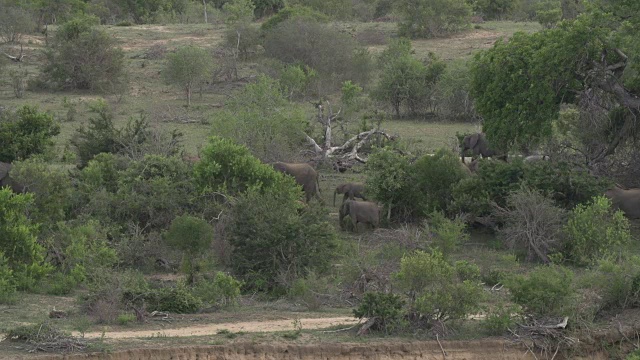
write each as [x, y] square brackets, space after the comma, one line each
[211, 329]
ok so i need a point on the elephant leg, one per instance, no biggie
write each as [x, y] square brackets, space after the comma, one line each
[354, 221]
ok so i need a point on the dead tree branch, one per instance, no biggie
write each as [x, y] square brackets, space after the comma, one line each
[15, 58]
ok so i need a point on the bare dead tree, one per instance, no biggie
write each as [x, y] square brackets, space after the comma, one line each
[349, 150]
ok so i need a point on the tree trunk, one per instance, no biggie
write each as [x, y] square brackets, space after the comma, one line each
[189, 95]
[204, 2]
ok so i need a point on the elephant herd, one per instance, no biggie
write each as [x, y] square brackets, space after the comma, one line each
[360, 212]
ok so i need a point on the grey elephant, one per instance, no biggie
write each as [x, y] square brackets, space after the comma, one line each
[365, 212]
[305, 175]
[479, 145]
[7, 180]
[350, 191]
[627, 200]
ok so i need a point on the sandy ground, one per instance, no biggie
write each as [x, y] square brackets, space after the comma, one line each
[212, 329]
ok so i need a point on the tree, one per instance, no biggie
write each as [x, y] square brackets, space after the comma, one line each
[83, 57]
[14, 23]
[493, 9]
[405, 80]
[432, 18]
[192, 236]
[520, 85]
[25, 132]
[187, 67]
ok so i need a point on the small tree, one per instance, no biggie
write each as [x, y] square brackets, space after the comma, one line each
[192, 236]
[187, 67]
[432, 18]
[25, 132]
[14, 23]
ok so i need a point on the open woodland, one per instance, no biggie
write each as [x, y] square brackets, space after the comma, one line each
[143, 208]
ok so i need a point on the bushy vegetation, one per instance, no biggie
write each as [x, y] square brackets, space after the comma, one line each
[188, 67]
[26, 132]
[546, 290]
[432, 18]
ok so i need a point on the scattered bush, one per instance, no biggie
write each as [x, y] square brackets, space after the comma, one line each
[291, 12]
[407, 82]
[616, 282]
[83, 57]
[187, 67]
[334, 55]
[447, 234]
[274, 241]
[177, 300]
[385, 308]
[388, 174]
[434, 178]
[594, 231]
[546, 291]
[243, 38]
[25, 132]
[432, 18]
[14, 23]
[532, 224]
[453, 93]
[7, 286]
[436, 288]
[193, 236]
[126, 319]
[262, 119]
[501, 318]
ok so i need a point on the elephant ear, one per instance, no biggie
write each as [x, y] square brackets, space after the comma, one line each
[473, 140]
[4, 169]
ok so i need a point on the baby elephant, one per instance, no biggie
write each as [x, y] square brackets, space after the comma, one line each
[350, 191]
[360, 212]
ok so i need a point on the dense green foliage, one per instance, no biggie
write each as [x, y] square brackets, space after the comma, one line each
[547, 290]
[26, 132]
[386, 307]
[594, 231]
[193, 236]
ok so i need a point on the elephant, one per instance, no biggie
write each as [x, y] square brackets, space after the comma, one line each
[305, 175]
[360, 212]
[350, 191]
[534, 158]
[479, 145]
[627, 200]
[7, 180]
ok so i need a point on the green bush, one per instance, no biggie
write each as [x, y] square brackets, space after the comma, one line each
[453, 93]
[177, 300]
[193, 236]
[23, 254]
[7, 286]
[387, 308]
[333, 54]
[388, 181]
[25, 132]
[616, 282]
[274, 241]
[448, 234]
[545, 291]
[594, 231]
[261, 118]
[84, 57]
[405, 81]
[432, 18]
[501, 318]
[187, 67]
[126, 319]
[243, 37]
[433, 178]
[291, 12]
[436, 288]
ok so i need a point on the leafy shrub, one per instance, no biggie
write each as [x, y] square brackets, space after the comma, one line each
[595, 231]
[291, 12]
[244, 38]
[51, 187]
[405, 81]
[177, 300]
[274, 241]
[261, 118]
[83, 57]
[295, 81]
[187, 67]
[532, 224]
[388, 177]
[453, 93]
[616, 282]
[432, 18]
[24, 255]
[547, 290]
[126, 319]
[501, 318]
[436, 289]
[434, 177]
[192, 236]
[334, 55]
[15, 22]
[387, 308]
[448, 234]
[25, 132]
[500, 269]
[309, 290]
[7, 286]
